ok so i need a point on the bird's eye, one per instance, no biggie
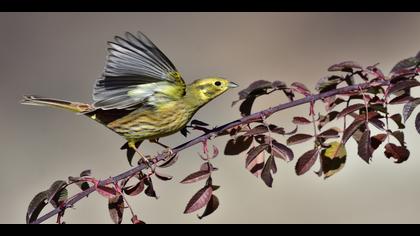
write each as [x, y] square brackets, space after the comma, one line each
[217, 83]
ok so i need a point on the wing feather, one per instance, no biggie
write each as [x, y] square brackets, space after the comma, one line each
[135, 71]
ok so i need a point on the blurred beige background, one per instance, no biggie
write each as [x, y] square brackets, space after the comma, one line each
[61, 54]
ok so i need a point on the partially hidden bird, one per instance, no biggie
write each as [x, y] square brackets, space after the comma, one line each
[141, 95]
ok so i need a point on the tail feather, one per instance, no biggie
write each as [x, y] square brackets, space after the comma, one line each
[71, 106]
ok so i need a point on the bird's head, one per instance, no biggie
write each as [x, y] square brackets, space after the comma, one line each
[209, 88]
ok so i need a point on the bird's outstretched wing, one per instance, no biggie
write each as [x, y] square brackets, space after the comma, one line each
[136, 72]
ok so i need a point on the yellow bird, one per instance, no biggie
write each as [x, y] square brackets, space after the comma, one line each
[141, 95]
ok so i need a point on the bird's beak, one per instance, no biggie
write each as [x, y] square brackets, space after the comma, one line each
[232, 85]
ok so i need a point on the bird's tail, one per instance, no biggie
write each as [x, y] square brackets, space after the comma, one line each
[70, 106]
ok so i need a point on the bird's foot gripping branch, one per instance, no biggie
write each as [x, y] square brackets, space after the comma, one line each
[356, 99]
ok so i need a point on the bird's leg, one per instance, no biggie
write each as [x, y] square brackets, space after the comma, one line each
[132, 145]
[167, 148]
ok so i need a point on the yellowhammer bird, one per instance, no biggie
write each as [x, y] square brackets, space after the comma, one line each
[141, 95]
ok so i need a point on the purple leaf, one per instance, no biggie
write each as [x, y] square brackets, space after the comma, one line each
[365, 149]
[300, 120]
[349, 131]
[134, 190]
[85, 173]
[329, 133]
[254, 152]
[346, 66]
[162, 176]
[260, 129]
[238, 145]
[199, 200]
[36, 205]
[350, 109]
[306, 161]
[196, 176]
[409, 108]
[116, 208]
[269, 169]
[300, 88]
[417, 123]
[399, 153]
[402, 85]
[398, 120]
[298, 138]
[377, 140]
[281, 151]
[212, 206]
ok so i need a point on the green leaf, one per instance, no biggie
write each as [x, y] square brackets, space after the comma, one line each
[333, 158]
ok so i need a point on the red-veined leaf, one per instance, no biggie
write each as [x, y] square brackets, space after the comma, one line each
[256, 165]
[150, 191]
[417, 123]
